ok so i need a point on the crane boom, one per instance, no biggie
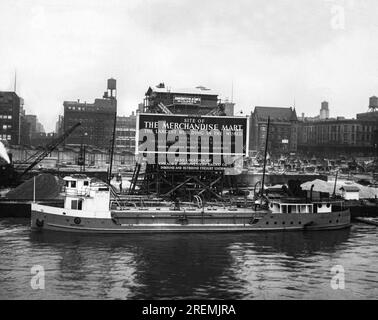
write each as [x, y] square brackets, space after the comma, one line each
[40, 155]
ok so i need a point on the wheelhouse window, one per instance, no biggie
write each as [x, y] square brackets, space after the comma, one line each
[74, 204]
[77, 204]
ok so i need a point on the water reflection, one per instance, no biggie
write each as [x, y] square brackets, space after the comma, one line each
[182, 265]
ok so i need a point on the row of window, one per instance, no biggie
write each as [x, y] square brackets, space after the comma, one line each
[125, 129]
[5, 116]
[299, 222]
[5, 137]
[7, 126]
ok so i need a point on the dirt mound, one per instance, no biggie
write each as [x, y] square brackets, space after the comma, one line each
[47, 186]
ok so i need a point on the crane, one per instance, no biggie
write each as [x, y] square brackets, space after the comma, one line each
[40, 155]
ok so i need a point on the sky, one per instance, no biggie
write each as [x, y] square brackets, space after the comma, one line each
[259, 52]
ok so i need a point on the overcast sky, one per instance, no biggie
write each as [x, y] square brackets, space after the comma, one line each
[274, 52]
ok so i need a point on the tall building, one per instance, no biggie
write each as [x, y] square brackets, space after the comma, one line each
[11, 118]
[39, 127]
[59, 125]
[125, 137]
[125, 133]
[32, 120]
[97, 119]
[324, 111]
[282, 130]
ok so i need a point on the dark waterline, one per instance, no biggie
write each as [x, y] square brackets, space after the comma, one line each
[273, 265]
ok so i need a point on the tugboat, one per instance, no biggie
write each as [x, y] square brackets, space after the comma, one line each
[89, 208]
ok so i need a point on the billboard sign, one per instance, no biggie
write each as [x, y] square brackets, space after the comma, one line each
[187, 100]
[192, 142]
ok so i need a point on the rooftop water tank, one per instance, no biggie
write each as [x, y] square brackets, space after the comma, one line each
[112, 84]
[373, 102]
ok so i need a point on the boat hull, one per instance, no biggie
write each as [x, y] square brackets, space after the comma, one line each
[139, 222]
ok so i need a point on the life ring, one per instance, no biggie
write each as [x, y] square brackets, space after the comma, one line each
[77, 220]
[39, 223]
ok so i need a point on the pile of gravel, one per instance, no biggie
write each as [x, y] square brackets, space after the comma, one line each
[47, 187]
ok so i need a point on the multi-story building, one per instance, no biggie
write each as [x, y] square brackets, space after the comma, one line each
[339, 135]
[59, 125]
[97, 120]
[10, 108]
[282, 130]
[32, 120]
[161, 99]
[324, 111]
[125, 137]
[13, 126]
[36, 129]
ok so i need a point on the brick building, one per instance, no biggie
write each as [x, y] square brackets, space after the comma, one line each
[336, 136]
[282, 131]
[14, 129]
[97, 121]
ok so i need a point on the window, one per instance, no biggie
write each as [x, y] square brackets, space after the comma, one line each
[74, 204]
[73, 184]
[86, 183]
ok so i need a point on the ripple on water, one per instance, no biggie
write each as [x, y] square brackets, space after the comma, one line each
[282, 265]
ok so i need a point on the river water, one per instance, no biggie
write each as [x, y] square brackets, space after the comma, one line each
[269, 265]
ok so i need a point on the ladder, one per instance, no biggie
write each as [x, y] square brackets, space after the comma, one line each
[139, 172]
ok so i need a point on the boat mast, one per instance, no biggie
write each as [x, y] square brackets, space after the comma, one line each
[265, 154]
[112, 147]
[334, 187]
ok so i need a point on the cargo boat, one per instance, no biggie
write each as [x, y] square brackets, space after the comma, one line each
[88, 208]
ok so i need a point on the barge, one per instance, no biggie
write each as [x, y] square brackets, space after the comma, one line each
[90, 208]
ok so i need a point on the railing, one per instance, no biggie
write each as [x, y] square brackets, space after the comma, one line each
[75, 192]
